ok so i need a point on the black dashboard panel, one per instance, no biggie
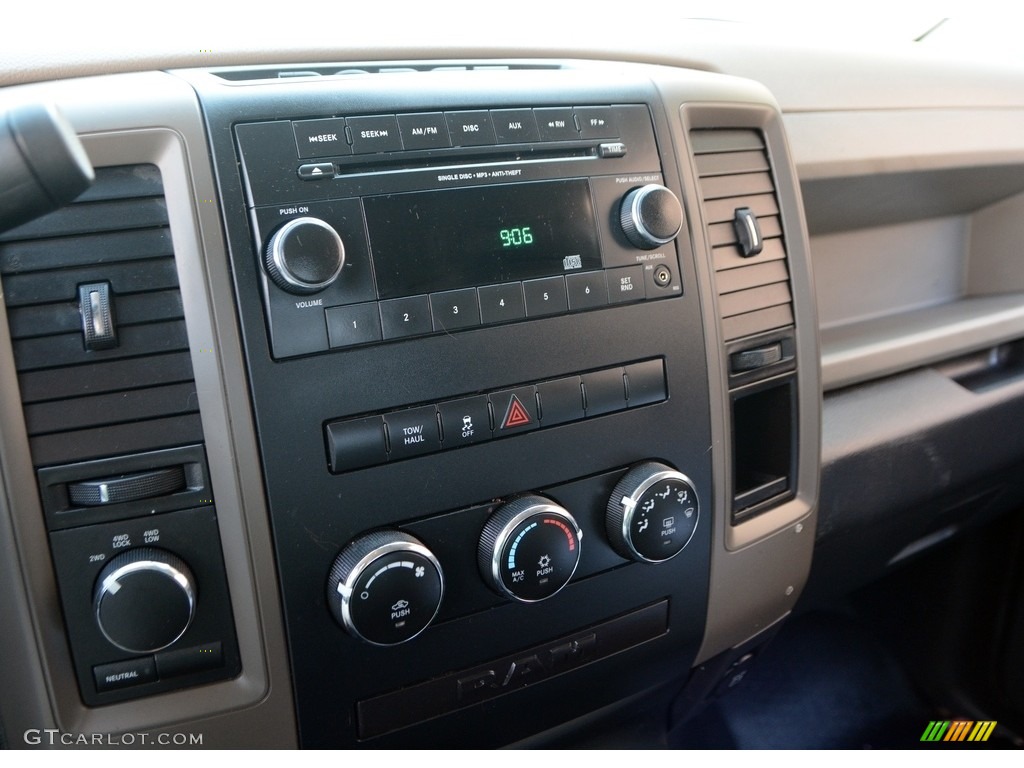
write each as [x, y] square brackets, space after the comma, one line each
[444, 498]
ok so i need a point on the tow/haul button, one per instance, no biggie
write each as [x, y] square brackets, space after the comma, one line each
[385, 587]
[529, 548]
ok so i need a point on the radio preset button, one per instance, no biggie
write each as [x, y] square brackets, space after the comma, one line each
[587, 290]
[427, 130]
[470, 129]
[545, 296]
[405, 317]
[374, 134]
[596, 123]
[515, 126]
[412, 432]
[321, 138]
[502, 303]
[556, 124]
[455, 309]
[626, 284]
[355, 324]
[465, 422]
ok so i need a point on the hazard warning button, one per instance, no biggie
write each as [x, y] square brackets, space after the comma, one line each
[515, 410]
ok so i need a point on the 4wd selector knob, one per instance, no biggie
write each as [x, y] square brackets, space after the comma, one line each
[652, 513]
[650, 216]
[144, 600]
[385, 587]
[305, 255]
[529, 548]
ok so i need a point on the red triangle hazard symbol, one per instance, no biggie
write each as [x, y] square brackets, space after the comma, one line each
[516, 415]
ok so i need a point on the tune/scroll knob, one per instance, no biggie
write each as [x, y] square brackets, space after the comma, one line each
[652, 513]
[144, 600]
[305, 255]
[650, 216]
[529, 548]
[385, 587]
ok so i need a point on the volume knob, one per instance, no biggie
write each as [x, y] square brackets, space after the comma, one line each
[304, 256]
[650, 216]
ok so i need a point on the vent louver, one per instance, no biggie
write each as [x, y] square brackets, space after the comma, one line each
[734, 172]
[137, 396]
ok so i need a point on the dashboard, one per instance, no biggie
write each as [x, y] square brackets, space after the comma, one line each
[427, 399]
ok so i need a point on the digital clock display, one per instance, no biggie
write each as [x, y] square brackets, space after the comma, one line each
[456, 238]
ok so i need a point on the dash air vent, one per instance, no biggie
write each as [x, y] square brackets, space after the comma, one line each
[745, 231]
[97, 325]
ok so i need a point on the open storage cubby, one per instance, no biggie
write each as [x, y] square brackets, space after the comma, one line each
[930, 272]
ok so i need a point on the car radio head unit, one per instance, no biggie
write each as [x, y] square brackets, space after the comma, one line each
[382, 227]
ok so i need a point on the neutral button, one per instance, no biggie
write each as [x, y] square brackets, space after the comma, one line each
[470, 129]
[465, 421]
[596, 123]
[545, 296]
[556, 124]
[374, 134]
[455, 309]
[314, 171]
[514, 126]
[515, 410]
[646, 383]
[124, 674]
[355, 444]
[561, 400]
[626, 284]
[502, 303]
[587, 290]
[405, 317]
[427, 130]
[605, 391]
[355, 324]
[321, 138]
[412, 432]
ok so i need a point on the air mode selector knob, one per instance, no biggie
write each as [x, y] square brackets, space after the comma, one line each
[144, 600]
[652, 513]
[304, 255]
[529, 548]
[650, 216]
[385, 587]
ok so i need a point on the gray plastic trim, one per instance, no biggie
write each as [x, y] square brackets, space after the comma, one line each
[882, 346]
[759, 566]
[124, 120]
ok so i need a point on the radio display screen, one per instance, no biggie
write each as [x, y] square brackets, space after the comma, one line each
[457, 238]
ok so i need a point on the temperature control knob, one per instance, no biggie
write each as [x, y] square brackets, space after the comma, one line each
[304, 256]
[385, 587]
[652, 513]
[529, 548]
[144, 600]
[650, 216]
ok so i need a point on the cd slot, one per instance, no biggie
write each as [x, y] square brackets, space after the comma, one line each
[463, 157]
